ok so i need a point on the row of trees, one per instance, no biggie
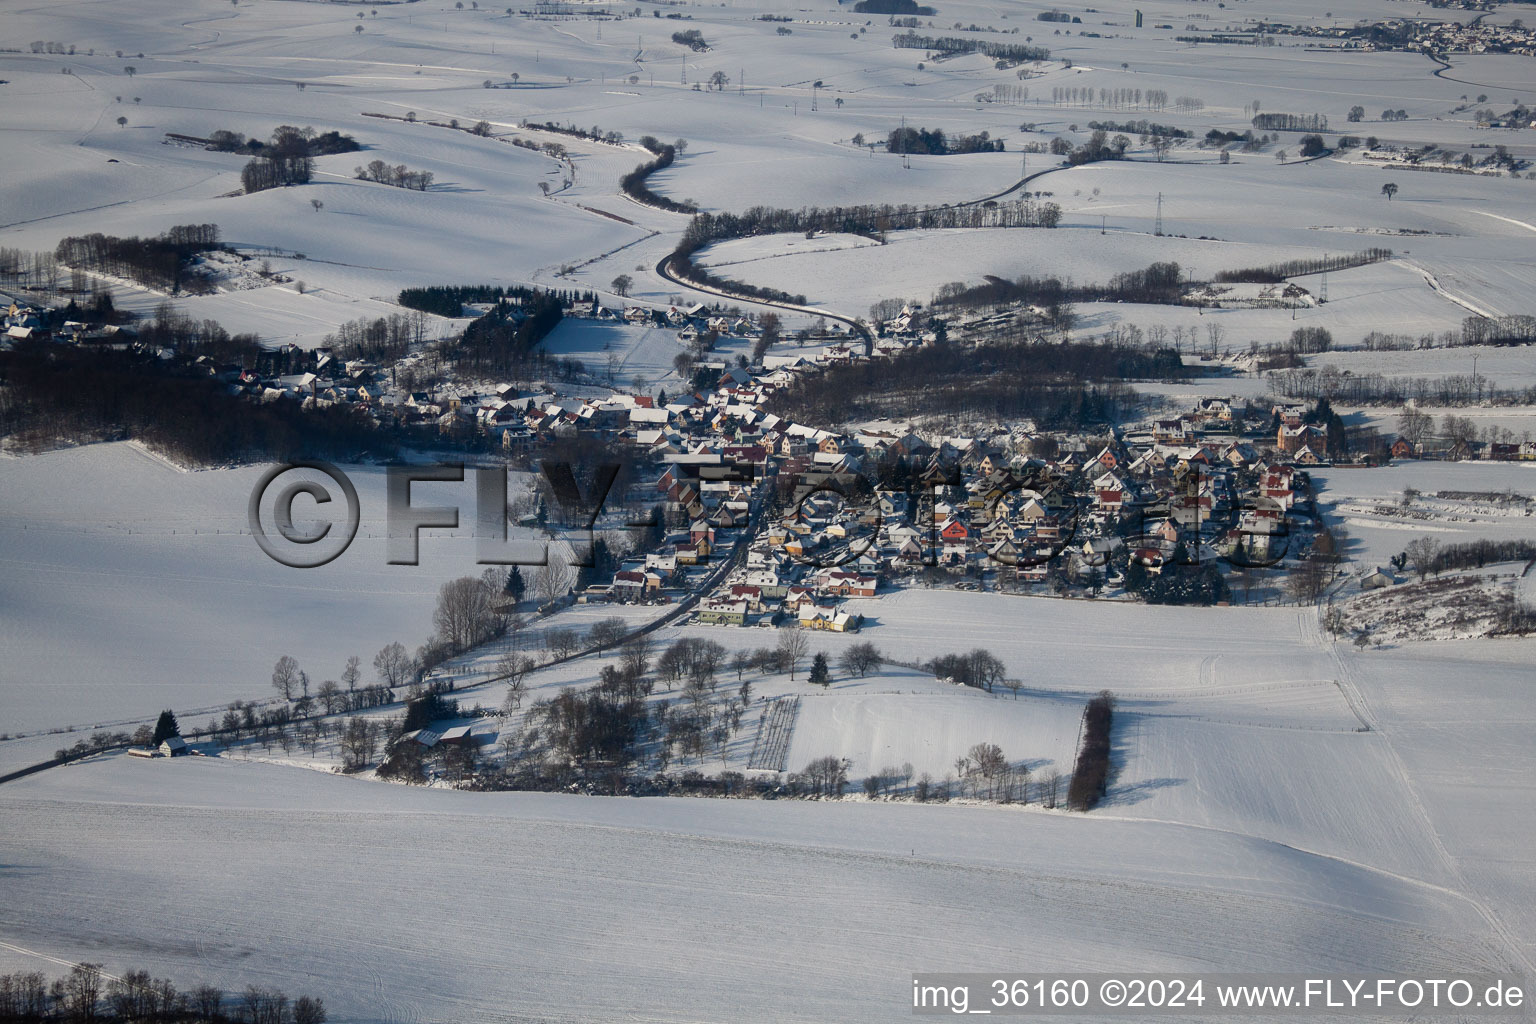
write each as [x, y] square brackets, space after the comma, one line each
[1291, 122]
[1276, 273]
[707, 228]
[286, 141]
[1379, 389]
[1430, 558]
[449, 299]
[979, 668]
[872, 221]
[378, 339]
[1161, 283]
[271, 170]
[397, 175]
[959, 44]
[1090, 776]
[634, 184]
[86, 996]
[1060, 386]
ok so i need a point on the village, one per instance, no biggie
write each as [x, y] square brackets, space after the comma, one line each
[1419, 34]
[813, 523]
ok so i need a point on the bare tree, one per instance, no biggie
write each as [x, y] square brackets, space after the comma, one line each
[553, 581]
[285, 676]
[359, 742]
[987, 761]
[1413, 424]
[793, 646]
[1050, 788]
[1421, 552]
[393, 665]
[635, 655]
[607, 632]
[515, 668]
[465, 614]
[621, 285]
[861, 659]
[561, 642]
[330, 695]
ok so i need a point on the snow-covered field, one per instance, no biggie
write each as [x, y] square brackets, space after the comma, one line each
[130, 585]
[410, 905]
[1280, 802]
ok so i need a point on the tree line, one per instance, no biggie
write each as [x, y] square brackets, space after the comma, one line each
[449, 299]
[910, 8]
[921, 141]
[1291, 122]
[1430, 558]
[86, 996]
[1060, 386]
[378, 339]
[950, 45]
[159, 262]
[1158, 283]
[871, 221]
[1379, 389]
[1276, 273]
[634, 184]
[1090, 776]
[67, 394]
[397, 175]
[285, 138]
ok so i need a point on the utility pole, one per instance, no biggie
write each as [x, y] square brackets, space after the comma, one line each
[1158, 228]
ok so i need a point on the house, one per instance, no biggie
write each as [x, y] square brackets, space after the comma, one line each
[753, 596]
[465, 736]
[1305, 456]
[814, 616]
[1377, 579]
[174, 746]
[629, 585]
[953, 531]
[1302, 435]
[723, 613]
[845, 584]
[1109, 492]
[1401, 449]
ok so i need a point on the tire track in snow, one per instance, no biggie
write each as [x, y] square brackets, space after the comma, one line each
[1352, 692]
[1434, 283]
